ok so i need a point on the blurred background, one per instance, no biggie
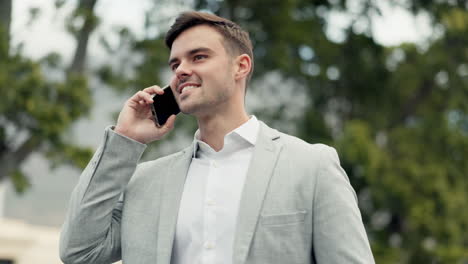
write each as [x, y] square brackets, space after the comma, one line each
[384, 82]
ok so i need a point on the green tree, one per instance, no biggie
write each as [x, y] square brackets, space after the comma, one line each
[399, 116]
[36, 111]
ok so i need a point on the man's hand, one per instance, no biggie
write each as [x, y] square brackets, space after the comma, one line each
[136, 121]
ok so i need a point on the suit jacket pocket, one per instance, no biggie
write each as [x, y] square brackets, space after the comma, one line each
[283, 219]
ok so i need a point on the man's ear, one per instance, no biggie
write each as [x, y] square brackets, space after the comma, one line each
[243, 66]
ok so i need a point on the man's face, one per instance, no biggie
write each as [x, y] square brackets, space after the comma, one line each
[203, 75]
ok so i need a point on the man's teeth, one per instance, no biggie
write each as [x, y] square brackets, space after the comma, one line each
[186, 88]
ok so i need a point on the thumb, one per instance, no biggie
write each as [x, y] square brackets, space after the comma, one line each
[169, 125]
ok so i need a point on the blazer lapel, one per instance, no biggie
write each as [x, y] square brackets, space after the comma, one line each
[261, 167]
[172, 192]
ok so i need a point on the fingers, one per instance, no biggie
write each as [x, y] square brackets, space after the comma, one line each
[142, 98]
[154, 90]
[145, 96]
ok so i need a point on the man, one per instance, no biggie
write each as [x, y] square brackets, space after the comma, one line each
[241, 193]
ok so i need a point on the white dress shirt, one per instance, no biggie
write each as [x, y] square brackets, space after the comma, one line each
[209, 207]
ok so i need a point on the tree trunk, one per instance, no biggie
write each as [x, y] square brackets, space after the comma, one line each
[86, 9]
[5, 15]
[2, 198]
[5, 21]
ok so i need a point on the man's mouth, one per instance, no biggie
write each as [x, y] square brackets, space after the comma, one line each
[187, 87]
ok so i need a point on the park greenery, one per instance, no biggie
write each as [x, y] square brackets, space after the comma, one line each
[398, 115]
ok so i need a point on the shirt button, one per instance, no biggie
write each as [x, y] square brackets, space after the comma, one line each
[210, 202]
[209, 245]
[214, 164]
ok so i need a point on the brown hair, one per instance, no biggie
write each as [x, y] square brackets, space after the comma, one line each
[235, 39]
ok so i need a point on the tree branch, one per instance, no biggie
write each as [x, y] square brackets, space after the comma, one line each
[12, 160]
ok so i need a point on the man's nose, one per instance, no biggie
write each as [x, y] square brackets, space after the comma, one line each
[183, 70]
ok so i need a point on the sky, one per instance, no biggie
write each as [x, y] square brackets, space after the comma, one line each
[46, 202]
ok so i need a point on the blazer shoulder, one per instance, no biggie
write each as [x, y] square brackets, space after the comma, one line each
[296, 144]
[299, 149]
[158, 166]
[162, 161]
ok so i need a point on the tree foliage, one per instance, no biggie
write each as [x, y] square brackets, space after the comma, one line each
[36, 110]
[400, 118]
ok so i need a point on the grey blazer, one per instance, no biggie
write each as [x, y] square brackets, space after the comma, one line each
[297, 206]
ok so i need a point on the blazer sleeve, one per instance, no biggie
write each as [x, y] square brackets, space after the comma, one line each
[91, 232]
[339, 235]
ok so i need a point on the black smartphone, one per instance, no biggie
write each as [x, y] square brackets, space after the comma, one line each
[163, 106]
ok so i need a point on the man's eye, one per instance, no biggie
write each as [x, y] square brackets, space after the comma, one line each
[199, 57]
[174, 66]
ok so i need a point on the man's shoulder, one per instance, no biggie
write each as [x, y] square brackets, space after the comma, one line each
[298, 147]
[163, 161]
[300, 156]
[148, 171]
[294, 143]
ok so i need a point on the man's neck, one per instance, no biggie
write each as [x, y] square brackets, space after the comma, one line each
[213, 128]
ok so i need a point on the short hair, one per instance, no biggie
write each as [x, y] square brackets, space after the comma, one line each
[236, 40]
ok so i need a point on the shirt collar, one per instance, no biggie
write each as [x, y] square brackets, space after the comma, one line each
[247, 132]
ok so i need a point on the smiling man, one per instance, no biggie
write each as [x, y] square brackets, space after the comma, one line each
[241, 193]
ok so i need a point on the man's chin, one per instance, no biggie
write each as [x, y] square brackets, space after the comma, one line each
[188, 109]
[197, 110]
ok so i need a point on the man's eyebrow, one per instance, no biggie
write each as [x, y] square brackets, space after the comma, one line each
[191, 52]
